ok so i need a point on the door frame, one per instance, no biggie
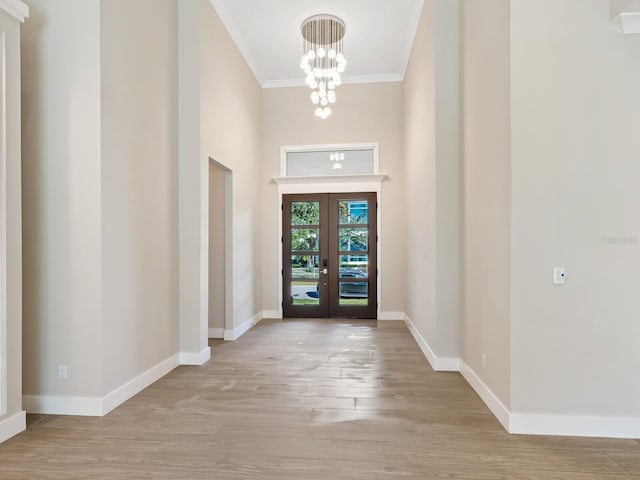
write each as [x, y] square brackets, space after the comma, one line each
[334, 184]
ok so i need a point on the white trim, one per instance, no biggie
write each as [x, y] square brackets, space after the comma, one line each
[133, 387]
[439, 364]
[17, 9]
[274, 314]
[346, 80]
[13, 425]
[188, 358]
[488, 397]
[391, 316]
[216, 333]
[233, 334]
[238, 39]
[575, 426]
[63, 405]
[4, 358]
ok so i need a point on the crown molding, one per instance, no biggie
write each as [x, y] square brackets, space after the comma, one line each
[234, 32]
[16, 8]
[353, 79]
[625, 16]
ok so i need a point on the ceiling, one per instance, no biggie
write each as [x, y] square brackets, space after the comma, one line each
[377, 43]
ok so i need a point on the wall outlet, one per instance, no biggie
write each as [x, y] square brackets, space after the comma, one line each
[62, 372]
[484, 361]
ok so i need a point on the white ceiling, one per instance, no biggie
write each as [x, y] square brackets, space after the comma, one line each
[377, 42]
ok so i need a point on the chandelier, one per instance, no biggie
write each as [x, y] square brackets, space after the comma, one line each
[322, 59]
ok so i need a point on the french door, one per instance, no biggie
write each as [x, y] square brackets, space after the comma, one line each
[329, 255]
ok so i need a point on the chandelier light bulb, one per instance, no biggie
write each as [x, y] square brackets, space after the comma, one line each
[322, 60]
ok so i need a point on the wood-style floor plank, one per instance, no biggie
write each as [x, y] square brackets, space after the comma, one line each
[307, 400]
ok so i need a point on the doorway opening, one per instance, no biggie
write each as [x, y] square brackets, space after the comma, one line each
[329, 246]
[220, 250]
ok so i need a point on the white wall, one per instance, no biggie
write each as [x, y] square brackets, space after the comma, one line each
[431, 136]
[139, 186]
[62, 199]
[576, 204]
[363, 114]
[12, 418]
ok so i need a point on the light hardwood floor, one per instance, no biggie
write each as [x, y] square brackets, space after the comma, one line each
[307, 400]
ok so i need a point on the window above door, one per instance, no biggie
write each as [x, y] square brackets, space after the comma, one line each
[355, 164]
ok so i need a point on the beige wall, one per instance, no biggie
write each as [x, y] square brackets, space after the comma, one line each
[363, 113]
[487, 192]
[139, 186]
[217, 237]
[62, 199]
[231, 135]
[576, 204]
[13, 406]
[431, 142]
[219, 120]
[100, 168]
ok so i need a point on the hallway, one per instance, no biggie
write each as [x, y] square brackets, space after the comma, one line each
[307, 400]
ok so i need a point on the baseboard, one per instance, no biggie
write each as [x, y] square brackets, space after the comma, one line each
[439, 364]
[98, 406]
[272, 314]
[232, 335]
[488, 397]
[13, 425]
[575, 426]
[216, 333]
[392, 316]
[187, 358]
[142, 381]
[63, 405]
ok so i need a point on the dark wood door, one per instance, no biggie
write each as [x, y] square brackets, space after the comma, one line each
[329, 255]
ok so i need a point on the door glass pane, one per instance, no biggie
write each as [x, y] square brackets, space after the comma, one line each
[305, 240]
[353, 212]
[305, 266]
[354, 239]
[304, 293]
[305, 213]
[354, 293]
[354, 266]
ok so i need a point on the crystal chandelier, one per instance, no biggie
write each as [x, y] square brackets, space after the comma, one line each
[322, 59]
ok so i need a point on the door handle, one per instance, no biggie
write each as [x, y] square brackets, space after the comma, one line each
[325, 271]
